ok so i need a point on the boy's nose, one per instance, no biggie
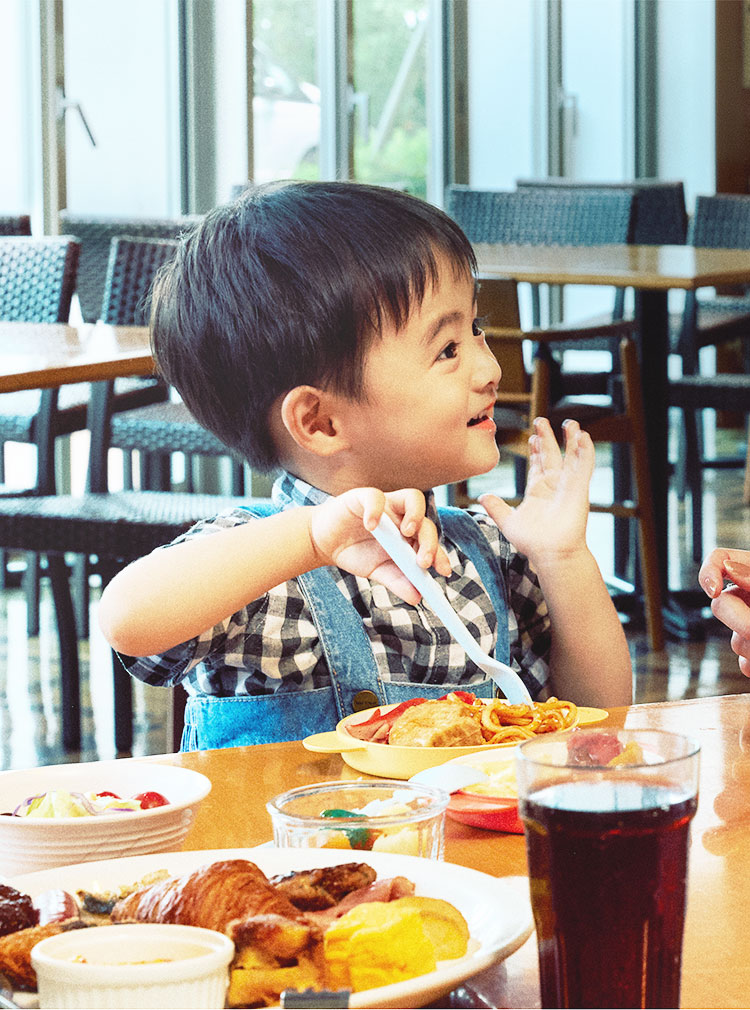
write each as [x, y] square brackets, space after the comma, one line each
[491, 371]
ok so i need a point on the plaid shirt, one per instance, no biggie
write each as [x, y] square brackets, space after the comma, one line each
[272, 643]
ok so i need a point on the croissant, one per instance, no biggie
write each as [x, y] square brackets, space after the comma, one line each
[211, 896]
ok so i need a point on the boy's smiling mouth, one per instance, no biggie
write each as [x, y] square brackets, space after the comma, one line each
[484, 418]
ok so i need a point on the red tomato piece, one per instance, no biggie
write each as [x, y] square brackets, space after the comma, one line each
[106, 792]
[465, 696]
[151, 799]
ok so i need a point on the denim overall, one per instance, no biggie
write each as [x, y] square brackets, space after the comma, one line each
[236, 721]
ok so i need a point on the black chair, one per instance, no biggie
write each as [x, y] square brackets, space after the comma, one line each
[37, 280]
[117, 528]
[522, 397]
[95, 235]
[552, 216]
[721, 221]
[659, 215]
[160, 429]
[558, 215]
[113, 527]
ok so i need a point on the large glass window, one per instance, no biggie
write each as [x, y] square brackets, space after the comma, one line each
[286, 103]
[390, 136]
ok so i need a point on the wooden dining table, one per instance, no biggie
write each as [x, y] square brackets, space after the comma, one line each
[716, 958]
[652, 271]
[45, 355]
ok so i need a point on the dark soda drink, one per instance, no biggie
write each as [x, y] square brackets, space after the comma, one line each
[607, 870]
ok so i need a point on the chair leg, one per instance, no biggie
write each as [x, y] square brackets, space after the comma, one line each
[81, 594]
[694, 479]
[68, 639]
[648, 552]
[31, 586]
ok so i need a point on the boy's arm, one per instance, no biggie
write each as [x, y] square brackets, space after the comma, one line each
[589, 661]
[173, 595]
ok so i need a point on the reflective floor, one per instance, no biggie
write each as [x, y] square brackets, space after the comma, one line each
[29, 694]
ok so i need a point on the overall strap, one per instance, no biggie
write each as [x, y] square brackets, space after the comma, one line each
[465, 532]
[346, 646]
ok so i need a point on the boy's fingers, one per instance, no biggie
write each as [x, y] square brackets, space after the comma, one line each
[413, 505]
[546, 444]
[731, 608]
[711, 574]
[370, 503]
[738, 573]
[497, 509]
[391, 576]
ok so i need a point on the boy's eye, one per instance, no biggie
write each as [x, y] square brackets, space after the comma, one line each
[449, 351]
[477, 326]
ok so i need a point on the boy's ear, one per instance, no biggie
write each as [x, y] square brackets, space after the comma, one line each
[311, 417]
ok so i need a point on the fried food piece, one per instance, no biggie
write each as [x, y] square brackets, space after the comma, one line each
[15, 952]
[311, 890]
[273, 954]
[211, 896]
[437, 724]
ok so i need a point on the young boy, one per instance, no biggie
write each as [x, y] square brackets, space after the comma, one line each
[328, 329]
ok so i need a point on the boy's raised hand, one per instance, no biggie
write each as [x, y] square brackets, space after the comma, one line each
[340, 531]
[550, 522]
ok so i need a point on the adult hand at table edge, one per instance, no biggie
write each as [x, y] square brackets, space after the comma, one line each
[730, 605]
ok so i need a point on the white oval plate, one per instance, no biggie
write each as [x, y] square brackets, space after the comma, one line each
[497, 909]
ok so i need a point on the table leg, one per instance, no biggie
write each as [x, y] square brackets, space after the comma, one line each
[652, 317]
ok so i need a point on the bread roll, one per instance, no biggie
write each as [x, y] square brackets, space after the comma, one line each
[436, 724]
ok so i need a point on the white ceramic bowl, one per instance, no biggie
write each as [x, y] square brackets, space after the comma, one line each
[142, 965]
[399, 817]
[29, 843]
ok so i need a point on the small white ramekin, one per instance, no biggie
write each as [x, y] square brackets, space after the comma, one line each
[121, 966]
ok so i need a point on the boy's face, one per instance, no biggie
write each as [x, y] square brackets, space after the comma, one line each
[430, 388]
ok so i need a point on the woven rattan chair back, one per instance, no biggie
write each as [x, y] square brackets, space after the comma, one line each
[543, 217]
[95, 235]
[133, 265]
[37, 279]
[15, 224]
[659, 215]
[721, 222]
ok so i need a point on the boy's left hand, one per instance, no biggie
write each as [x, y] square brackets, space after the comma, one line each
[550, 523]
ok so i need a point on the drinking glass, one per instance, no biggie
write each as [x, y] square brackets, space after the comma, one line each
[606, 817]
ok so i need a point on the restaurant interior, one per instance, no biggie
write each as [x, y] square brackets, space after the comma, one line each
[133, 119]
[596, 156]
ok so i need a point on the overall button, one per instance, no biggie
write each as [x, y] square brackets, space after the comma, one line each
[363, 700]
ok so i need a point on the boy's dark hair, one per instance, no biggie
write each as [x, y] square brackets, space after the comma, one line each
[288, 285]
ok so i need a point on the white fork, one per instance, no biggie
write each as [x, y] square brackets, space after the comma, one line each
[400, 550]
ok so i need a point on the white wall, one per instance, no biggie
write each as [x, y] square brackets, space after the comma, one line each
[687, 122]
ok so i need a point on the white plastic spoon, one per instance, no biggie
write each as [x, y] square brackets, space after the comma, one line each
[400, 550]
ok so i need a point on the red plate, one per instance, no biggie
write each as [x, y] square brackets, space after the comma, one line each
[490, 812]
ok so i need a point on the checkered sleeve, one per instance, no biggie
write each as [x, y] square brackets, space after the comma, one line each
[172, 667]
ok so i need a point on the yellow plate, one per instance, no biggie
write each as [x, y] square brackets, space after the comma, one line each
[386, 760]
[587, 716]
